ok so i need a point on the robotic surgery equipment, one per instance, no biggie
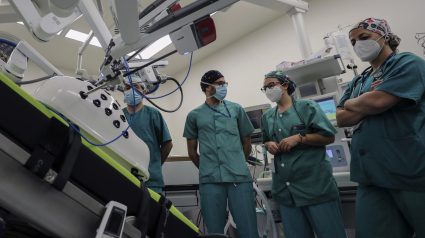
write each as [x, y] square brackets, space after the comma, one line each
[16, 65]
[149, 75]
[43, 29]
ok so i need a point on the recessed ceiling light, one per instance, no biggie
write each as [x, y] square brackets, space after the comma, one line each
[95, 42]
[59, 32]
[19, 22]
[76, 35]
[156, 47]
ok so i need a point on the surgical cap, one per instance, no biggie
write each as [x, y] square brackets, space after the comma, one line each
[210, 77]
[134, 79]
[281, 76]
[379, 26]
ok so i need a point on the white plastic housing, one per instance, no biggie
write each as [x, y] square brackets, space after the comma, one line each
[63, 8]
[63, 94]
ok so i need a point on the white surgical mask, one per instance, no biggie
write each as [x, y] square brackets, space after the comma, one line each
[274, 94]
[368, 50]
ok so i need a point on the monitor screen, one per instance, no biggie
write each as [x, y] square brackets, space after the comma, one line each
[329, 152]
[328, 106]
[255, 117]
[344, 88]
[308, 90]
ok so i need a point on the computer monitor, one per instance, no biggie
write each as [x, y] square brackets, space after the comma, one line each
[328, 103]
[342, 87]
[254, 114]
[308, 90]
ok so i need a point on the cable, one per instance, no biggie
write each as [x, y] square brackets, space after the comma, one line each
[36, 80]
[143, 66]
[187, 75]
[70, 124]
[160, 108]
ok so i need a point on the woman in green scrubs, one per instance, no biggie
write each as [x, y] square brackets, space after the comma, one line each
[296, 132]
[386, 107]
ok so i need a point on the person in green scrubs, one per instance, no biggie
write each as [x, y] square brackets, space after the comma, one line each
[149, 126]
[386, 107]
[222, 129]
[296, 132]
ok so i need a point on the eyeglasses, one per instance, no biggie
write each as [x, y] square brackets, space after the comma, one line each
[270, 86]
[220, 84]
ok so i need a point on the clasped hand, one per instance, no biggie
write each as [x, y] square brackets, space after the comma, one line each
[285, 145]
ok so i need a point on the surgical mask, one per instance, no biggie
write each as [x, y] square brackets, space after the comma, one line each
[274, 94]
[129, 99]
[220, 93]
[368, 50]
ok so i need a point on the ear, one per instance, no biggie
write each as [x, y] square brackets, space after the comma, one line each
[144, 92]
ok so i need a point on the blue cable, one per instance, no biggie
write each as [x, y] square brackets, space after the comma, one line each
[70, 124]
[190, 66]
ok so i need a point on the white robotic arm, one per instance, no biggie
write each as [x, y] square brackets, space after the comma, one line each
[44, 28]
[17, 64]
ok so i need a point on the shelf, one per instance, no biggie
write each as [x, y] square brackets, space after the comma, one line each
[315, 70]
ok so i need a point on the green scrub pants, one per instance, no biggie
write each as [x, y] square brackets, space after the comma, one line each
[325, 219]
[384, 212]
[214, 198]
[156, 189]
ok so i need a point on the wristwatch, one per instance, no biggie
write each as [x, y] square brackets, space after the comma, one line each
[303, 137]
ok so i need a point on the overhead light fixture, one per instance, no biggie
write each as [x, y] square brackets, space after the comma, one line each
[19, 22]
[213, 13]
[59, 32]
[95, 42]
[156, 47]
[76, 35]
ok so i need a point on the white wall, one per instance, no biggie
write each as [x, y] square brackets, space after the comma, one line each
[245, 62]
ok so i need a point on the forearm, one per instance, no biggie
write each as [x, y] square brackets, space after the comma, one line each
[346, 118]
[247, 150]
[318, 140]
[194, 156]
[372, 103]
[165, 151]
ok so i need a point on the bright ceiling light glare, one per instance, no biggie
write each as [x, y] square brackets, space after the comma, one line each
[95, 42]
[19, 22]
[76, 35]
[212, 14]
[59, 32]
[156, 47]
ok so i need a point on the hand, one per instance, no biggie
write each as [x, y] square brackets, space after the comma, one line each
[286, 144]
[374, 84]
[273, 148]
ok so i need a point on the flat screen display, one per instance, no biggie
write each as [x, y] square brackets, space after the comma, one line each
[329, 152]
[255, 117]
[328, 106]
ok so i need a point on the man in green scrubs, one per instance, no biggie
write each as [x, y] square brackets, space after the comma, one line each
[223, 131]
[149, 126]
[387, 111]
[296, 133]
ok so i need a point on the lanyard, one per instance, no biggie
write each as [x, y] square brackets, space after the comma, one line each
[228, 116]
[274, 118]
[376, 76]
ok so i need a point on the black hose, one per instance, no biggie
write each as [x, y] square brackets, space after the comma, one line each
[35, 80]
[181, 101]
[154, 61]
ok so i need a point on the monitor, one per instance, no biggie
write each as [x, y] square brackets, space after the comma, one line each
[328, 103]
[342, 87]
[254, 114]
[308, 90]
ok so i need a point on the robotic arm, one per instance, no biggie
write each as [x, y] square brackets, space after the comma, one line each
[17, 64]
[43, 29]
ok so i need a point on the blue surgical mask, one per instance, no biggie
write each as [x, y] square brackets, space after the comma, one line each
[220, 92]
[129, 99]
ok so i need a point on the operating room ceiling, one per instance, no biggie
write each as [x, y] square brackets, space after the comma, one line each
[240, 20]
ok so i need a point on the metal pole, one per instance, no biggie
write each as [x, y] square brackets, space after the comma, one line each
[303, 39]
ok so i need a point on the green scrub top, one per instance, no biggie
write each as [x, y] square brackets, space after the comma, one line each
[388, 149]
[222, 159]
[304, 175]
[150, 126]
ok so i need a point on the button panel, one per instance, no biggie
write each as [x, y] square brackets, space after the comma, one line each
[117, 124]
[96, 102]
